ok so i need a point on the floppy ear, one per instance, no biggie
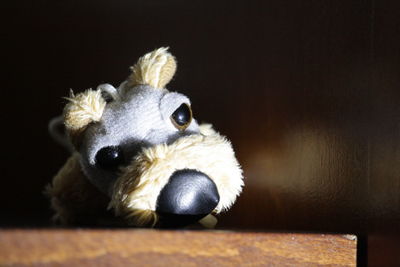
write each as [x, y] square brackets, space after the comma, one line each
[83, 109]
[155, 69]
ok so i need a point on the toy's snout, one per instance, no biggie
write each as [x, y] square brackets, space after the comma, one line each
[186, 198]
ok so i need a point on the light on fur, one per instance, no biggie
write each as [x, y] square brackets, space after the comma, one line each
[83, 109]
[155, 69]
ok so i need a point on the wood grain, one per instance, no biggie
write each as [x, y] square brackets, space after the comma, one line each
[173, 248]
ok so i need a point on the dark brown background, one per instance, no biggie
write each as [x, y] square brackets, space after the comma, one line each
[308, 92]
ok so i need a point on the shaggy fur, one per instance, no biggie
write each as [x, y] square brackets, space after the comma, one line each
[73, 197]
[83, 109]
[155, 69]
[137, 189]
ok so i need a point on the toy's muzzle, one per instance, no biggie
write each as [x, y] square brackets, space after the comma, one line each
[188, 196]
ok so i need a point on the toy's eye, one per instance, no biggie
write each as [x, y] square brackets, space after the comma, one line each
[182, 117]
[110, 158]
[107, 96]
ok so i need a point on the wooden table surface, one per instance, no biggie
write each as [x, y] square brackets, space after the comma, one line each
[96, 247]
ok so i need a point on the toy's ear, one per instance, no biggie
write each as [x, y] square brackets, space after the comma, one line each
[83, 109]
[155, 69]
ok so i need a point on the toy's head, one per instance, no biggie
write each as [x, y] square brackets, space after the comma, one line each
[140, 145]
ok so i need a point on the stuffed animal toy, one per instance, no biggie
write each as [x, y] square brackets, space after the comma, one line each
[139, 158]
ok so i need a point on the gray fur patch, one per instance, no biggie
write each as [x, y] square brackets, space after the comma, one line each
[136, 118]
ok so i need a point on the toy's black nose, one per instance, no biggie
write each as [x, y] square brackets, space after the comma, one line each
[188, 196]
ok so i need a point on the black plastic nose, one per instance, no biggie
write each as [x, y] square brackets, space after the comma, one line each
[187, 197]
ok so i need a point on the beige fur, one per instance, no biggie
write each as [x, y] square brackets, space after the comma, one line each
[82, 109]
[137, 189]
[155, 69]
[73, 197]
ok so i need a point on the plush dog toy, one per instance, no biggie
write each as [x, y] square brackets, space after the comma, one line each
[139, 155]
